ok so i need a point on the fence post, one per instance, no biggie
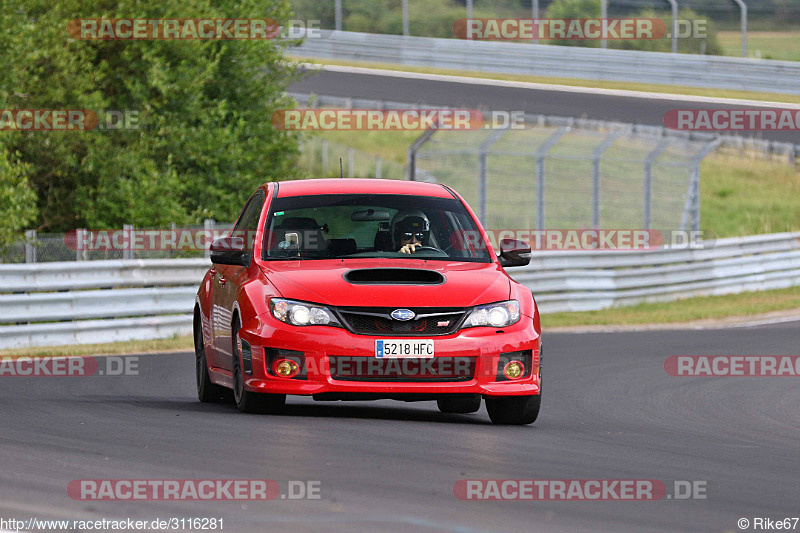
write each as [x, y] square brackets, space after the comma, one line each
[411, 155]
[127, 231]
[692, 204]
[325, 155]
[30, 246]
[648, 179]
[208, 227]
[378, 167]
[483, 152]
[351, 156]
[172, 228]
[598, 152]
[80, 241]
[405, 18]
[541, 153]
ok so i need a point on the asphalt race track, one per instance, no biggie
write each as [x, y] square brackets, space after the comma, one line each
[610, 411]
[571, 103]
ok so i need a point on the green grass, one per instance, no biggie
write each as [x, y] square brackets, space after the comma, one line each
[598, 84]
[746, 304]
[784, 45]
[745, 196]
[112, 348]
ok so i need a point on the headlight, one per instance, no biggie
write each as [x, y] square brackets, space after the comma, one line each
[497, 315]
[302, 313]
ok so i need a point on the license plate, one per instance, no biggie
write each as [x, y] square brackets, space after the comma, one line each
[419, 348]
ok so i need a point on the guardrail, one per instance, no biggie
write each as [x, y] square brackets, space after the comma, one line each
[47, 304]
[593, 280]
[559, 61]
[107, 301]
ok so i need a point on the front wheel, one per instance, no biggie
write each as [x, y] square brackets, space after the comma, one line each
[246, 401]
[206, 390]
[514, 410]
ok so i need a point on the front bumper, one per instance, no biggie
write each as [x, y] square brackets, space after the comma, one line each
[318, 343]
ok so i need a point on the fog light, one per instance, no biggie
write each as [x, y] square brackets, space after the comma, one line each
[285, 368]
[513, 369]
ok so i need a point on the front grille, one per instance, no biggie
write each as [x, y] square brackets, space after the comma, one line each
[436, 369]
[378, 321]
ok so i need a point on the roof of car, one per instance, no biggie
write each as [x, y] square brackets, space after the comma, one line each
[360, 186]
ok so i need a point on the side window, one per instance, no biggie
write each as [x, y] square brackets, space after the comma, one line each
[248, 221]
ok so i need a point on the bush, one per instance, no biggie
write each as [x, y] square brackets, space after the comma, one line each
[17, 199]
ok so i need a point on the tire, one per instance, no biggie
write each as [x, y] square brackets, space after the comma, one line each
[207, 391]
[514, 410]
[461, 406]
[247, 401]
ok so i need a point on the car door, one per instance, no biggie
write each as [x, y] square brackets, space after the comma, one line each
[227, 281]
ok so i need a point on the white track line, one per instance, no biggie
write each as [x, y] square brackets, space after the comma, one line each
[549, 87]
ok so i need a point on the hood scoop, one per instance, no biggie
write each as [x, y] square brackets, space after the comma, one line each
[393, 276]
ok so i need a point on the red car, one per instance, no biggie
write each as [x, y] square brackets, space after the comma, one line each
[362, 289]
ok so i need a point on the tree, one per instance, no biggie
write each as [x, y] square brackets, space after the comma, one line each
[17, 199]
[204, 140]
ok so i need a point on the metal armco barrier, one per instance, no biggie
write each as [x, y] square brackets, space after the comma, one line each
[559, 61]
[106, 301]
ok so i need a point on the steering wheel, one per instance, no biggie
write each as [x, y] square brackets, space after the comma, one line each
[429, 249]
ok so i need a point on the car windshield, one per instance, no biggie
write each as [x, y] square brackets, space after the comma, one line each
[334, 226]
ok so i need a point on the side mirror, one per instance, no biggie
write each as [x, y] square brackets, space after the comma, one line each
[230, 251]
[514, 253]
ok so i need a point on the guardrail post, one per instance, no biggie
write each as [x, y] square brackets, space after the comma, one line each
[208, 227]
[30, 246]
[648, 179]
[535, 13]
[598, 152]
[378, 167]
[405, 18]
[411, 156]
[337, 9]
[127, 231]
[541, 153]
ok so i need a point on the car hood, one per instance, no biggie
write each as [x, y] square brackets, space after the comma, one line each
[324, 282]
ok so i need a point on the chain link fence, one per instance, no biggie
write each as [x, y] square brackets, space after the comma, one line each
[128, 242]
[558, 173]
[320, 158]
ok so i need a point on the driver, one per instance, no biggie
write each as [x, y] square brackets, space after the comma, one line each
[410, 230]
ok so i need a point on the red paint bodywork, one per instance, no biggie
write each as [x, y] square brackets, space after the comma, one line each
[248, 290]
